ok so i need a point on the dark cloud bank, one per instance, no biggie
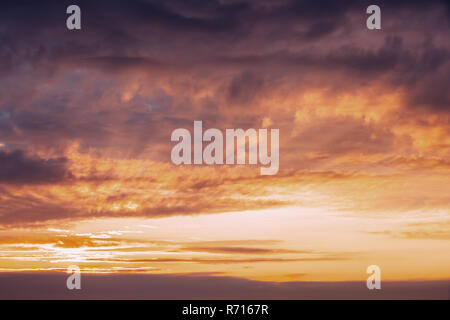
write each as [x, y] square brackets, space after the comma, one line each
[18, 168]
[144, 286]
[257, 44]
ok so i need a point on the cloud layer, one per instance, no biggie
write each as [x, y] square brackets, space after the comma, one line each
[86, 118]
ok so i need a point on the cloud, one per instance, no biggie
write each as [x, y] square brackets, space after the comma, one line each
[101, 187]
[239, 250]
[17, 168]
[95, 86]
[227, 261]
[424, 230]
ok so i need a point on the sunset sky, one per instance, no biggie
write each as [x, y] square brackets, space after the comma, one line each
[363, 115]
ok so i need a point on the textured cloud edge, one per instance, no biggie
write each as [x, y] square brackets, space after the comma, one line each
[81, 186]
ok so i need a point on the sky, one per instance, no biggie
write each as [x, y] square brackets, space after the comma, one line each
[86, 118]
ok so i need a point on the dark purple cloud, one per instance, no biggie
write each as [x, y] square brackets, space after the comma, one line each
[248, 49]
[18, 168]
